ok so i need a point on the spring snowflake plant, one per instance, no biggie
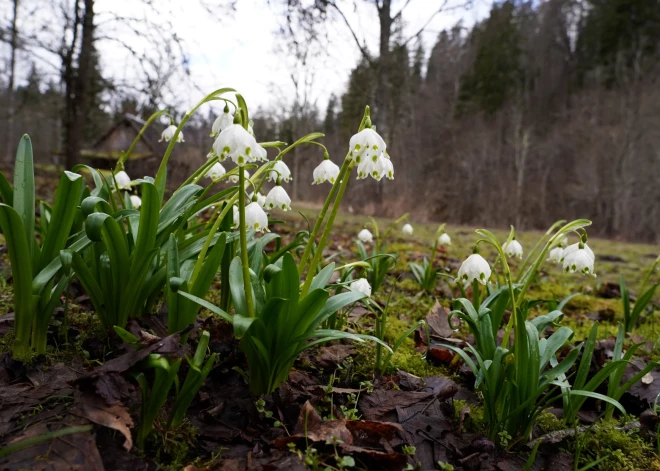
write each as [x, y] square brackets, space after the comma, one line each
[523, 373]
[276, 316]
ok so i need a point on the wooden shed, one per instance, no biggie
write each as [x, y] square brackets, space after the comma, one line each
[144, 159]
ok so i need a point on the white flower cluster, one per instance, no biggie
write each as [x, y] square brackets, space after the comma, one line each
[576, 258]
[369, 151]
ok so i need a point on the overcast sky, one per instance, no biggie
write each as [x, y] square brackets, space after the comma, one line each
[241, 49]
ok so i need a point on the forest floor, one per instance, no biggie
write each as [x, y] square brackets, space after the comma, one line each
[428, 403]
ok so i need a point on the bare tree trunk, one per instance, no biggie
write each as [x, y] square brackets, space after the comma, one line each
[13, 44]
[76, 81]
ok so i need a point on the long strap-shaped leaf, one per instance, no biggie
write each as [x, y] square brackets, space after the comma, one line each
[19, 257]
[64, 212]
[24, 190]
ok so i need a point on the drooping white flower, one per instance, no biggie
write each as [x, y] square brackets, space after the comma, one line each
[574, 248]
[237, 216]
[326, 171]
[376, 167]
[563, 242]
[123, 180]
[556, 255]
[513, 249]
[216, 171]
[234, 178]
[281, 170]
[278, 198]
[580, 260]
[361, 285]
[255, 217]
[475, 267]
[261, 199]
[168, 134]
[222, 122]
[365, 145]
[236, 143]
[365, 236]
[407, 229]
[136, 201]
[444, 239]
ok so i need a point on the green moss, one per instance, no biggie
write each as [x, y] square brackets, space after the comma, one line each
[625, 450]
[474, 421]
[549, 422]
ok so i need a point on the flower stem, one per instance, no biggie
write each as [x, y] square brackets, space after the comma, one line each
[161, 175]
[321, 217]
[247, 283]
[346, 169]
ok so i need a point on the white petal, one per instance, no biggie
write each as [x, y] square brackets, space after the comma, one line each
[325, 171]
[280, 169]
[365, 236]
[278, 198]
[475, 267]
[361, 285]
[123, 180]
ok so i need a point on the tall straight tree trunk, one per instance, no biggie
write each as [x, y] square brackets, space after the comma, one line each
[76, 79]
[13, 44]
[382, 98]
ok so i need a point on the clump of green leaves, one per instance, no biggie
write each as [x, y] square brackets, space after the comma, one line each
[35, 266]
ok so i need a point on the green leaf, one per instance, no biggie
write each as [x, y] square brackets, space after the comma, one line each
[67, 198]
[24, 202]
[19, 256]
[209, 267]
[146, 236]
[236, 286]
[321, 280]
[208, 305]
[6, 191]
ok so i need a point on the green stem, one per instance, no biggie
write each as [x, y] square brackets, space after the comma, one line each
[161, 175]
[319, 221]
[327, 229]
[209, 239]
[125, 155]
[16, 446]
[648, 275]
[247, 283]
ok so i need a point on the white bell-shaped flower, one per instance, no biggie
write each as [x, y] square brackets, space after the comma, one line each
[475, 267]
[513, 249]
[222, 122]
[234, 177]
[261, 199]
[237, 216]
[327, 171]
[255, 217]
[123, 180]
[580, 261]
[136, 201]
[168, 134]
[365, 236]
[278, 198]
[361, 285]
[407, 229]
[556, 255]
[444, 239]
[236, 143]
[216, 171]
[365, 145]
[280, 170]
[376, 167]
[574, 248]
